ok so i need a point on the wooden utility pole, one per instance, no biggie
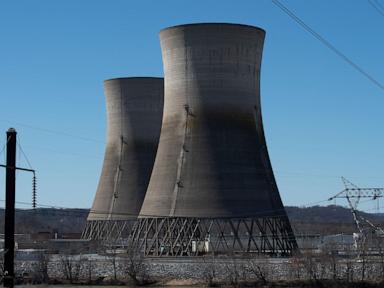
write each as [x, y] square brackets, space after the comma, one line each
[9, 225]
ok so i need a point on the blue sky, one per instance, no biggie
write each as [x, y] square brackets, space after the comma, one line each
[323, 120]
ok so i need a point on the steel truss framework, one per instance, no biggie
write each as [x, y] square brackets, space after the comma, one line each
[107, 230]
[178, 236]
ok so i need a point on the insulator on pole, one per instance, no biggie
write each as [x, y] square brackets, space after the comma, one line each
[34, 191]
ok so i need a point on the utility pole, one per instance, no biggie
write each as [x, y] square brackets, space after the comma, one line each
[9, 221]
[9, 225]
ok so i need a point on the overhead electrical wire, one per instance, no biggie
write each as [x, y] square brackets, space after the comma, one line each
[328, 44]
[290, 174]
[59, 152]
[2, 149]
[87, 211]
[23, 153]
[377, 6]
[5, 145]
[48, 149]
[50, 206]
[380, 5]
[57, 132]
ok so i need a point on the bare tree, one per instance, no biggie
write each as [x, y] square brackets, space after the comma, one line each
[363, 249]
[296, 266]
[210, 270]
[71, 266]
[233, 274]
[323, 266]
[135, 266]
[1, 267]
[112, 257]
[331, 259]
[259, 268]
[311, 265]
[41, 269]
[378, 241]
[349, 269]
[90, 267]
[109, 249]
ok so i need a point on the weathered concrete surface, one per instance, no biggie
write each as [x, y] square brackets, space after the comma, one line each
[212, 159]
[134, 113]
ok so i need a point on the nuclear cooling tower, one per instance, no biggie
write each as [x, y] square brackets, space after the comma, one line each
[134, 114]
[212, 186]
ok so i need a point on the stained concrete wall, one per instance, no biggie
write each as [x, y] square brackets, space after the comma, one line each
[212, 159]
[134, 113]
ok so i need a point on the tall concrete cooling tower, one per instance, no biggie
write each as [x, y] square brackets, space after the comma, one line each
[212, 186]
[134, 114]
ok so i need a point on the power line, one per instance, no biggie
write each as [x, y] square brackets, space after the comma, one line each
[34, 193]
[371, 209]
[23, 153]
[82, 211]
[50, 131]
[377, 6]
[2, 149]
[314, 203]
[5, 145]
[326, 43]
[55, 151]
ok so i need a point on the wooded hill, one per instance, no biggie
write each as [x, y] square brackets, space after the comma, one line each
[311, 220]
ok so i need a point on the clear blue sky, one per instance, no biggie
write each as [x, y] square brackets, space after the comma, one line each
[322, 119]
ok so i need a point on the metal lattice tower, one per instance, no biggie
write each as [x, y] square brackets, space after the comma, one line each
[353, 194]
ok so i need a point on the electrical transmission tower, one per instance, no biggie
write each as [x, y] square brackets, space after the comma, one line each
[353, 194]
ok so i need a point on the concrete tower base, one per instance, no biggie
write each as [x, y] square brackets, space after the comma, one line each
[187, 236]
[108, 231]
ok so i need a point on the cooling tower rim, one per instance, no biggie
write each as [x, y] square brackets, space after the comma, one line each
[133, 78]
[212, 24]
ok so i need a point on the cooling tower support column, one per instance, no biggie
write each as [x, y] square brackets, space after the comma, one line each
[134, 114]
[212, 188]
[109, 231]
[192, 236]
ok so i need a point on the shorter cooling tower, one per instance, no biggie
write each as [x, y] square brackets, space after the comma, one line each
[134, 114]
[212, 187]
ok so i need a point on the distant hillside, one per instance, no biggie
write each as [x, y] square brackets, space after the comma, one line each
[327, 219]
[48, 220]
[316, 219]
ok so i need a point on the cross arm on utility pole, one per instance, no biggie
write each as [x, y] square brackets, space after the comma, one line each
[9, 219]
[18, 168]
